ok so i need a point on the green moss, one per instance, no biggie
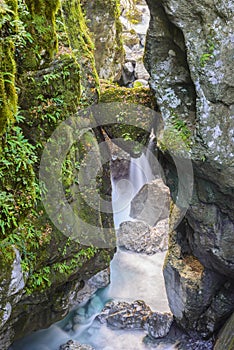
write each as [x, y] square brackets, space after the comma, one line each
[52, 95]
[118, 26]
[40, 21]
[177, 136]
[48, 81]
[140, 95]
[59, 272]
[8, 96]
[83, 49]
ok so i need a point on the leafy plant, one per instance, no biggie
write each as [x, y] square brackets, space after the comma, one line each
[18, 189]
[206, 56]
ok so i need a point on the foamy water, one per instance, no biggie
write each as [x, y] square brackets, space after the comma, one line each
[134, 276]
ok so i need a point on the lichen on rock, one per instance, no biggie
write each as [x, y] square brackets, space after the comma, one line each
[188, 51]
[106, 31]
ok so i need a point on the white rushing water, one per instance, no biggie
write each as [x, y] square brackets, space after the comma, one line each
[134, 276]
[124, 190]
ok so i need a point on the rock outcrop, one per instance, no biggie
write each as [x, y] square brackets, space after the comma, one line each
[139, 237]
[136, 316]
[151, 204]
[74, 345]
[103, 20]
[226, 338]
[189, 50]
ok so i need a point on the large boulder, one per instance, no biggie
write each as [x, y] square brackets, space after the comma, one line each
[158, 325]
[152, 202]
[199, 298]
[105, 27]
[139, 237]
[122, 315]
[136, 315]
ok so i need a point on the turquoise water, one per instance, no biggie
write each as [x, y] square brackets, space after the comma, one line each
[134, 276]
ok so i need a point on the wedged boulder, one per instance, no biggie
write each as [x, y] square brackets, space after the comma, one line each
[136, 315]
[141, 72]
[128, 74]
[139, 237]
[152, 203]
[74, 345]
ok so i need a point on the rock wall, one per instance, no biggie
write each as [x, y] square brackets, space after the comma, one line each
[106, 30]
[47, 74]
[189, 51]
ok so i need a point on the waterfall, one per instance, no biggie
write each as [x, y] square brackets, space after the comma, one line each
[134, 276]
[124, 190]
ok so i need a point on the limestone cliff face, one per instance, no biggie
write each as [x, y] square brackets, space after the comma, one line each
[47, 75]
[189, 54]
[106, 30]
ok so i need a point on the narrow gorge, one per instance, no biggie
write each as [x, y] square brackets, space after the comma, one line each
[116, 188]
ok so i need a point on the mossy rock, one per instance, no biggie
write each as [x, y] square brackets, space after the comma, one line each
[49, 96]
[8, 95]
[133, 116]
[103, 20]
[83, 49]
[140, 95]
[40, 22]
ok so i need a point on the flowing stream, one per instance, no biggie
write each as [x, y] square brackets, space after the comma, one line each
[133, 276]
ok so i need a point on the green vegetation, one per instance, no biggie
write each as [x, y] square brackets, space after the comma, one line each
[18, 188]
[8, 96]
[59, 272]
[176, 137]
[209, 54]
[39, 19]
[53, 76]
[113, 93]
[83, 50]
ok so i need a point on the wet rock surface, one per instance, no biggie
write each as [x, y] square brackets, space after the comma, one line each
[136, 315]
[188, 58]
[177, 339]
[139, 237]
[100, 280]
[122, 315]
[74, 345]
[196, 295]
[225, 338]
[135, 20]
[120, 167]
[158, 325]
